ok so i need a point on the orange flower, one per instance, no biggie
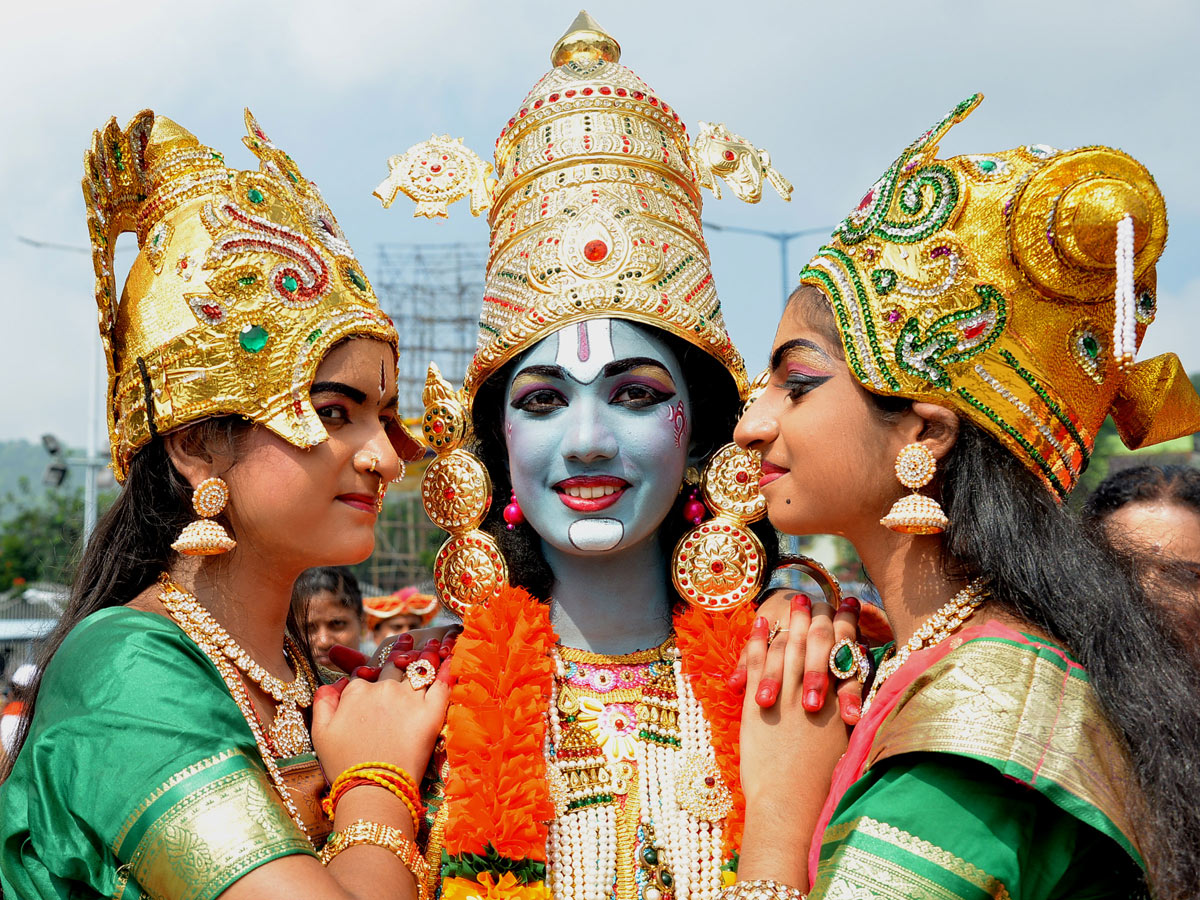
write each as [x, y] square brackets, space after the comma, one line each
[497, 791]
[710, 644]
[489, 888]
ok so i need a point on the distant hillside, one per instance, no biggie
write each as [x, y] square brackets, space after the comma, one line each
[20, 460]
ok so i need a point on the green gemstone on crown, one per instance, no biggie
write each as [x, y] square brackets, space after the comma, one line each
[1090, 346]
[254, 195]
[290, 284]
[650, 856]
[987, 165]
[253, 338]
[357, 279]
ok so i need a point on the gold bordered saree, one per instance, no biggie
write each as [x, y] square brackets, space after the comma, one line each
[984, 768]
[140, 777]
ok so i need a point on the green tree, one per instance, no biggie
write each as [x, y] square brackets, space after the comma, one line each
[40, 542]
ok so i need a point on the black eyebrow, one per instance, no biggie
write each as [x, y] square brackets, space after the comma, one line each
[548, 371]
[783, 349]
[624, 365]
[337, 387]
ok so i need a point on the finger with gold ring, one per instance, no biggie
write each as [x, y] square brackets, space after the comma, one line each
[847, 660]
[776, 630]
[420, 674]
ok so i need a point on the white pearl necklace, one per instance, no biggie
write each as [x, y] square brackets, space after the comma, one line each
[582, 844]
[948, 619]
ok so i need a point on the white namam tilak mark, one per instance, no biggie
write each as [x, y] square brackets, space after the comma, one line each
[596, 535]
[585, 348]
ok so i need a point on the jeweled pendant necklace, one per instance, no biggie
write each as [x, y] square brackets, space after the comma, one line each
[172, 597]
[287, 731]
[948, 619]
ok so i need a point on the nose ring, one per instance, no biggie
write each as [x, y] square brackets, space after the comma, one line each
[374, 466]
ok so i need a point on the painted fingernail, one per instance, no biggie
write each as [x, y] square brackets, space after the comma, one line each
[737, 680]
[814, 690]
[431, 656]
[760, 624]
[403, 642]
[851, 708]
[346, 658]
[799, 601]
[444, 651]
[367, 673]
[849, 604]
[768, 690]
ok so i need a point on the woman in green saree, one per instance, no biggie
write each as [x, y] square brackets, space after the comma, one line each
[1032, 732]
[252, 391]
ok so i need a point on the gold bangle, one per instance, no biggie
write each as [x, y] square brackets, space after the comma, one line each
[762, 890]
[393, 839]
[414, 811]
[387, 767]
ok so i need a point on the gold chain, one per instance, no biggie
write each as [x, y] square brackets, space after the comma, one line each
[948, 619]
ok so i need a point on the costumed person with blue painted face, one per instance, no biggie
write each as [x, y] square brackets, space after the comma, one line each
[1033, 731]
[601, 551]
[167, 747]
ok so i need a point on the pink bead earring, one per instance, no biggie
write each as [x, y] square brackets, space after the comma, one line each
[694, 510]
[513, 514]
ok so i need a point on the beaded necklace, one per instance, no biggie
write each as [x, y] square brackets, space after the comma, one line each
[948, 619]
[287, 732]
[640, 800]
[182, 605]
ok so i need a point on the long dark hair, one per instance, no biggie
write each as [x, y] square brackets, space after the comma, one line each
[131, 544]
[708, 384]
[1060, 575]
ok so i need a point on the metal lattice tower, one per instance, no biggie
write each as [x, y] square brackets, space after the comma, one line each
[434, 293]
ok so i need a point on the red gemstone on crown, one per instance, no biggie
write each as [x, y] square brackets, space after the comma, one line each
[449, 493]
[595, 250]
[728, 154]
[741, 477]
[437, 427]
[710, 781]
[867, 199]
[717, 567]
[435, 168]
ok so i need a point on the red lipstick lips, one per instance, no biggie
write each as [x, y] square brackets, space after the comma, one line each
[365, 502]
[590, 493]
[770, 472]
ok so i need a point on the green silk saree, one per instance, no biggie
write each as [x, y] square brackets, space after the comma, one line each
[984, 768]
[140, 777]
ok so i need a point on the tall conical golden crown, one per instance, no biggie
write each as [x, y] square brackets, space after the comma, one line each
[594, 208]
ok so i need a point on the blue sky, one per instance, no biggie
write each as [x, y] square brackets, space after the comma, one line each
[834, 90]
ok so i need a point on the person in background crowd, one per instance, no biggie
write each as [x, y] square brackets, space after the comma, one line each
[328, 602]
[10, 718]
[1157, 508]
[398, 613]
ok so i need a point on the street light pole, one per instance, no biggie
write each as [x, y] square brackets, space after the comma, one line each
[783, 238]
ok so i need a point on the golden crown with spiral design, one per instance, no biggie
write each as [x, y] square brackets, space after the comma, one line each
[990, 283]
[242, 281]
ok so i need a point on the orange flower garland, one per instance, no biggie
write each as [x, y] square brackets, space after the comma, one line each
[710, 644]
[495, 729]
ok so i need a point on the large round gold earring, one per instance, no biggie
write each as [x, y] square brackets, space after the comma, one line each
[469, 569]
[205, 536]
[718, 564]
[916, 513]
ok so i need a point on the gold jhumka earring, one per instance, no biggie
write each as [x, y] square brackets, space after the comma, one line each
[205, 536]
[916, 513]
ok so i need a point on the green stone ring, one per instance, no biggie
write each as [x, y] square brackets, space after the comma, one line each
[847, 660]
